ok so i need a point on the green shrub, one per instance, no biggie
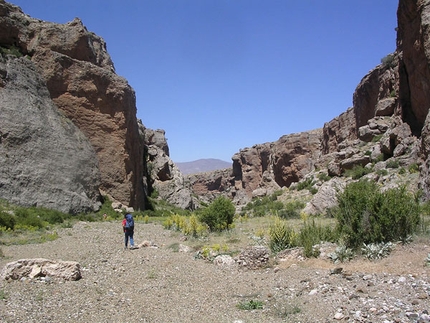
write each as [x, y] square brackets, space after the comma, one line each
[291, 210]
[367, 215]
[323, 177]
[281, 236]
[250, 305]
[413, 168]
[219, 214]
[377, 138]
[312, 234]
[10, 50]
[306, 184]
[388, 61]
[262, 206]
[341, 254]
[7, 220]
[382, 172]
[27, 217]
[374, 251]
[393, 163]
[357, 172]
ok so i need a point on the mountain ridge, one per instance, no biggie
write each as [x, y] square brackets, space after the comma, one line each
[202, 165]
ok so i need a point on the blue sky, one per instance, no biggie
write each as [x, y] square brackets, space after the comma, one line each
[222, 75]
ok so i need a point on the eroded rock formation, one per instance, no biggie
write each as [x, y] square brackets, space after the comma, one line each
[45, 159]
[82, 83]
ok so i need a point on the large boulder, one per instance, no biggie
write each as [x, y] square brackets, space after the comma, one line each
[40, 267]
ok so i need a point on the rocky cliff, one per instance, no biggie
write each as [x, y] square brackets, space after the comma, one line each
[65, 80]
[45, 159]
[388, 124]
[80, 79]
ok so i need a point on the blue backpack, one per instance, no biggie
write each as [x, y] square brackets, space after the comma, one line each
[129, 222]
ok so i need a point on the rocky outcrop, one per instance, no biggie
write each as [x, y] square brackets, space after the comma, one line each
[264, 168]
[209, 185]
[45, 159]
[165, 178]
[82, 83]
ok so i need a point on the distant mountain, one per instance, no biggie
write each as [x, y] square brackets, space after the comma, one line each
[202, 165]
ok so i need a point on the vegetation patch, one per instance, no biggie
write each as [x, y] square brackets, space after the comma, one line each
[250, 305]
[366, 215]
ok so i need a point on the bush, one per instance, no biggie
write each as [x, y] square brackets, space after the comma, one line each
[306, 184]
[312, 234]
[366, 215]
[413, 168]
[341, 254]
[264, 205]
[10, 50]
[323, 177]
[219, 214]
[291, 210]
[281, 236]
[393, 163]
[7, 220]
[388, 61]
[28, 218]
[250, 305]
[357, 172]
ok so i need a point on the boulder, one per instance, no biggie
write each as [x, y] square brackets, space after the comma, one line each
[224, 261]
[40, 267]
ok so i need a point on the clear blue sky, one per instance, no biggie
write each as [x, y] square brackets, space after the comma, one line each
[222, 75]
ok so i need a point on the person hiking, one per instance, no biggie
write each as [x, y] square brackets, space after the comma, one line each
[128, 227]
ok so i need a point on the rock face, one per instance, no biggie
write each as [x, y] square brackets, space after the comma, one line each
[45, 159]
[165, 177]
[413, 44]
[388, 122]
[262, 169]
[81, 81]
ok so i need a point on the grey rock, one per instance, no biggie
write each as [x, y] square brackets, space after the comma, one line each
[45, 159]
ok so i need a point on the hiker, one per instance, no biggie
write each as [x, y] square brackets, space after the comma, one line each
[128, 227]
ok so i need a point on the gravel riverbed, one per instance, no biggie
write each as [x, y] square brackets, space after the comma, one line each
[160, 284]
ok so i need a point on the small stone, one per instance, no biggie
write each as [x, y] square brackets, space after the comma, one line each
[313, 292]
[402, 279]
[339, 316]
[425, 318]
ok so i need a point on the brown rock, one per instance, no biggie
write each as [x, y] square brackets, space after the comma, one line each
[81, 81]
